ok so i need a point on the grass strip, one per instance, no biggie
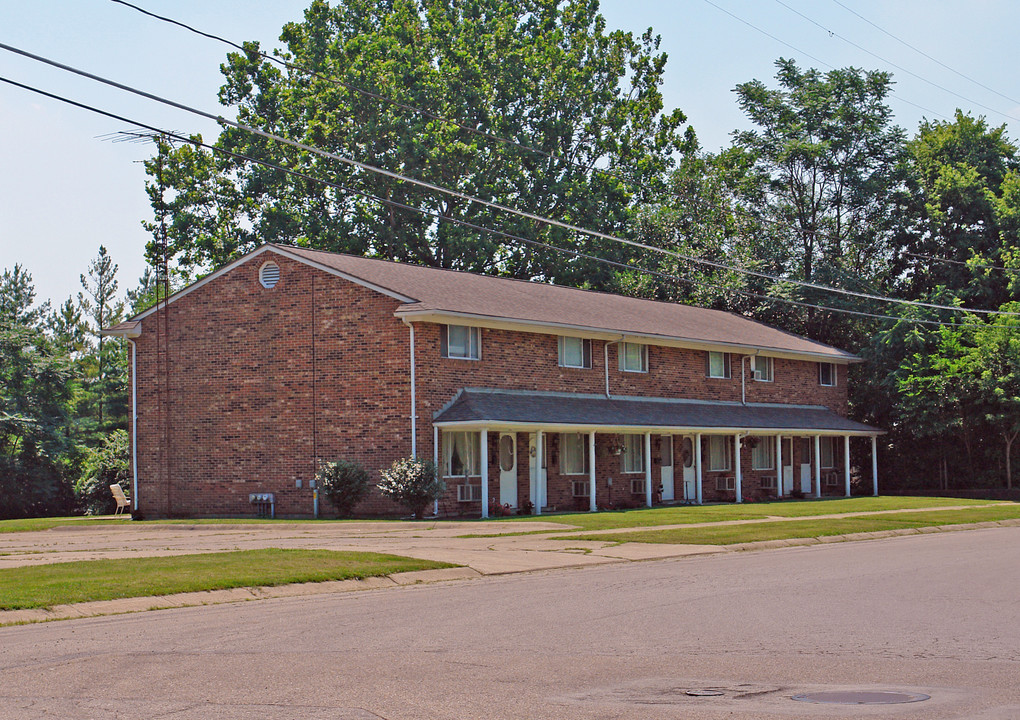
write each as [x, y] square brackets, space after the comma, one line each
[73, 582]
[771, 530]
[685, 514]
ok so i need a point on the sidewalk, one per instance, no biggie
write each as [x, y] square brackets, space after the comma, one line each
[494, 554]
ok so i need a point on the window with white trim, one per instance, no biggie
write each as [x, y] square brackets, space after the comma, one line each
[720, 452]
[827, 450]
[574, 453]
[718, 365]
[762, 368]
[632, 459]
[574, 352]
[633, 357]
[763, 455]
[827, 374]
[462, 342]
[462, 453]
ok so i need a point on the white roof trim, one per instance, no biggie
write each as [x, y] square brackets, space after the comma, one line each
[554, 328]
[279, 251]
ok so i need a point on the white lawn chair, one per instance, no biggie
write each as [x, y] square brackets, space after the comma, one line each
[118, 495]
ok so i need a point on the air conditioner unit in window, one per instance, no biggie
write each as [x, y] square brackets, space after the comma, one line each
[469, 493]
[725, 482]
[637, 487]
[581, 488]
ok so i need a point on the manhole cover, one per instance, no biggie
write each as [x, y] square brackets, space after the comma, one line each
[862, 697]
[704, 693]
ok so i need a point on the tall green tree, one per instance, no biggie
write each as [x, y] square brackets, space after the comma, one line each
[831, 162]
[34, 381]
[106, 360]
[963, 208]
[541, 73]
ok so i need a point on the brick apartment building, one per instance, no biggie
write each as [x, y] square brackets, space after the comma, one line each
[521, 392]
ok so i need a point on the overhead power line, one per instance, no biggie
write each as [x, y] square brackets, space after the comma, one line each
[443, 218]
[922, 52]
[805, 54]
[913, 74]
[585, 168]
[487, 203]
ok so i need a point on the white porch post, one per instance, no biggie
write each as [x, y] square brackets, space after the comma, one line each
[737, 478]
[592, 506]
[435, 461]
[697, 468]
[648, 469]
[779, 466]
[538, 472]
[846, 465]
[485, 472]
[818, 466]
[874, 465]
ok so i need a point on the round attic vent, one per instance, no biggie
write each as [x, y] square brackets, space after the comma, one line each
[269, 274]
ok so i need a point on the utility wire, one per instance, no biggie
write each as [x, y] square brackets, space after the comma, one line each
[498, 138]
[353, 88]
[464, 223]
[487, 203]
[798, 50]
[934, 84]
[922, 52]
[962, 262]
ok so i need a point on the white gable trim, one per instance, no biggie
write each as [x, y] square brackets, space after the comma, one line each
[279, 251]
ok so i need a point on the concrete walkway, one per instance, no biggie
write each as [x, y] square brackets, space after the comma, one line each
[495, 552]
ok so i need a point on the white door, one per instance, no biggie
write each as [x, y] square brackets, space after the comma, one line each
[508, 469]
[537, 484]
[787, 466]
[666, 452]
[804, 455]
[690, 472]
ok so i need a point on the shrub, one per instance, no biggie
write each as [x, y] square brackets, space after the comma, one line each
[412, 483]
[104, 466]
[343, 483]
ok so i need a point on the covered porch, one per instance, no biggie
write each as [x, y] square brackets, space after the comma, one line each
[502, 451]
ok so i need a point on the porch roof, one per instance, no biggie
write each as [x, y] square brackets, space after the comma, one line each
[507, 409]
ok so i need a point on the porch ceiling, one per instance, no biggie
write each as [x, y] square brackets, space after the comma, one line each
[483, 407]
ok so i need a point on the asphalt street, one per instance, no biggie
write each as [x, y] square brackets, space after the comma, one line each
[936, 614]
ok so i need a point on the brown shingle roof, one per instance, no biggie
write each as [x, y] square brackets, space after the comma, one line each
[485, 405]
[450, 291]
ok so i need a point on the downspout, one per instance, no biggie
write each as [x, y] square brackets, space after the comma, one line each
[134, 423]
[414, 416]
[605, 349]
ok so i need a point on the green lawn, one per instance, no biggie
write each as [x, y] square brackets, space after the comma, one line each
[753, 532]
[60, 583]
[683, 515]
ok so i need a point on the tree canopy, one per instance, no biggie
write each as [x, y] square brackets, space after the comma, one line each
[544, 74]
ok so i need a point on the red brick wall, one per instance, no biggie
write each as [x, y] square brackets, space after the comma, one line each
[240, 392]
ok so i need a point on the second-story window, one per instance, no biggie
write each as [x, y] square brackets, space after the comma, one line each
[461, 341]
[633, 357]
[718, 365]
[827, 374]
[762, 368]
[575, 352]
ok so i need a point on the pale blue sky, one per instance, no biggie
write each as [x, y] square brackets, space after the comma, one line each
[63, 191]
